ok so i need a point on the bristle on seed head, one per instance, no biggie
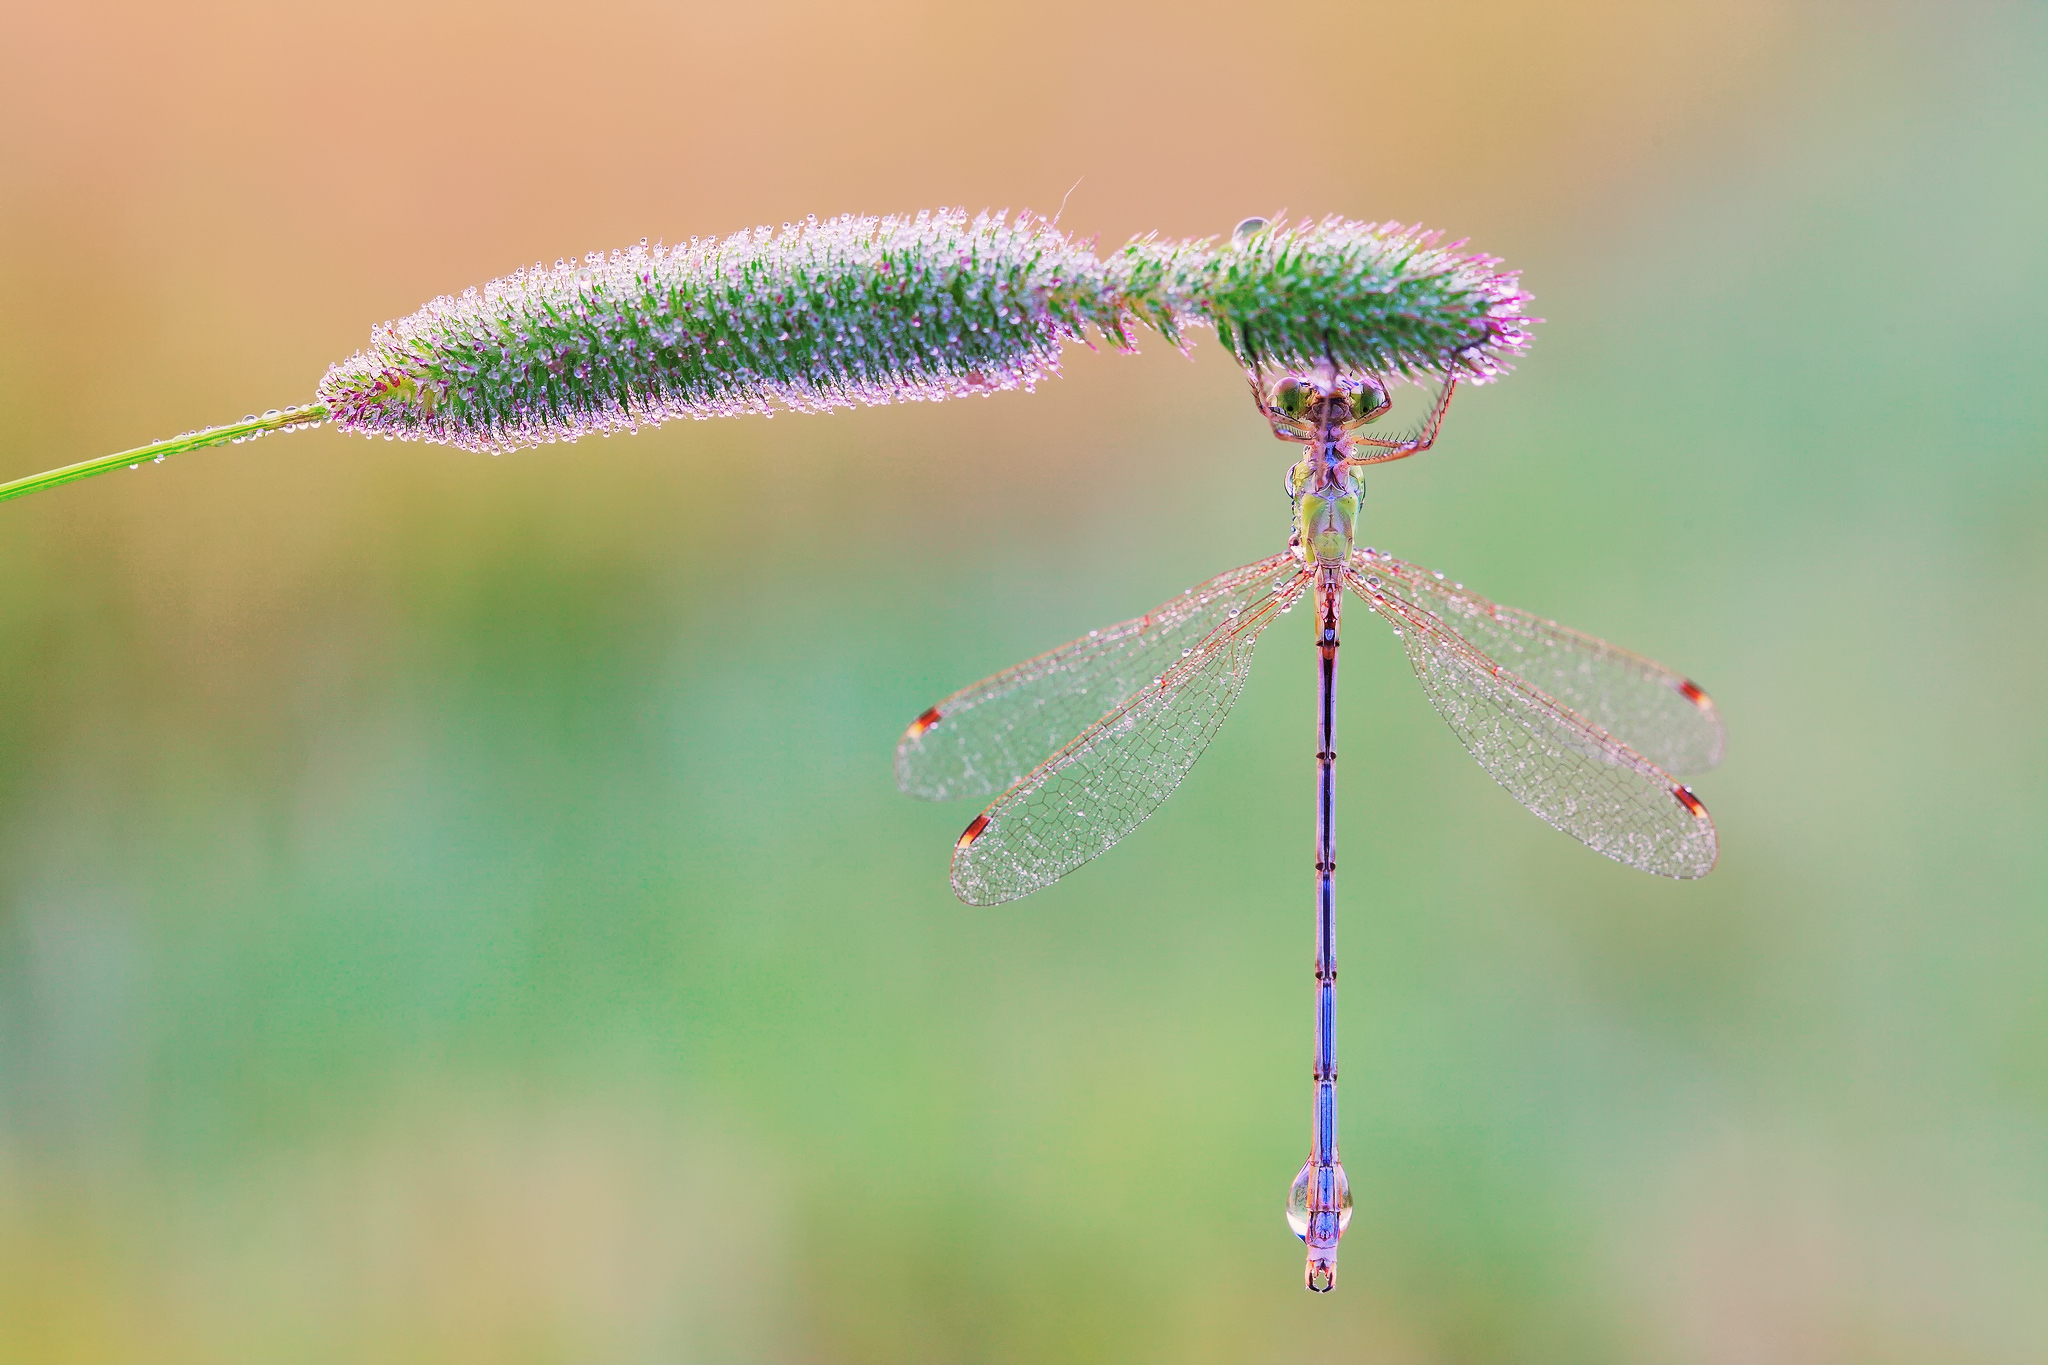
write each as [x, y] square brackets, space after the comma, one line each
[858, 310]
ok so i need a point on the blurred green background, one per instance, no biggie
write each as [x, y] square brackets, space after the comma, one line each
[457, 909]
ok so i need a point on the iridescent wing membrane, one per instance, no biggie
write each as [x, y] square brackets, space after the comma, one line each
[1662, 715]
[1522, 694]
[1582, 733]
[1164, 681]
[983, 738]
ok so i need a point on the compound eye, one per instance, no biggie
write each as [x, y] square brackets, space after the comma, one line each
[1368, 398]
[1294, 399]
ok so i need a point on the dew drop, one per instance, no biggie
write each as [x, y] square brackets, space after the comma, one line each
[1297, 1200]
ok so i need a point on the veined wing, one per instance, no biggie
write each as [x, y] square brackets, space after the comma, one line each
[1663, 716]
[1570, 772]
[983, 738]
[1104, 783]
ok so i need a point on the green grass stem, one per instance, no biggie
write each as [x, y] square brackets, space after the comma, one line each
[248, 429]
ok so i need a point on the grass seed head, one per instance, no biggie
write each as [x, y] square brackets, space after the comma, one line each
[817, 316]
[882, 310]
[1382, 297]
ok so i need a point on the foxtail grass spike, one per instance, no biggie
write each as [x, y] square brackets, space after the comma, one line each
[817, 316]
[1394, 300]
[856, 310]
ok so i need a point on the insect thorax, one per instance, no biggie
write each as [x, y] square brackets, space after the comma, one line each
[1326, 498]
[1319, 412]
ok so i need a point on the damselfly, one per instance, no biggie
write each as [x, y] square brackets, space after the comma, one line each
[1582, 733]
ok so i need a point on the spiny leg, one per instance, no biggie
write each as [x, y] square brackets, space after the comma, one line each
[1423, 438]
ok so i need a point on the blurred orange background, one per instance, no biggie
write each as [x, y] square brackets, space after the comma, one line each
[456, 909]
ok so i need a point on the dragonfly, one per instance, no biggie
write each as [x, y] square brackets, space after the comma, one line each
[1079, 745]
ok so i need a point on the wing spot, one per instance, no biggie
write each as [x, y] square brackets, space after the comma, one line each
[1693, 805]
[924, 722]
[1695, 694]
[973, 831]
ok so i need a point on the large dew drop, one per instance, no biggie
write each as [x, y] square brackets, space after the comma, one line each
[1297, 1200]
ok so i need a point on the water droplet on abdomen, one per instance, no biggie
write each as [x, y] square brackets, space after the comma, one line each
[1297, 1200]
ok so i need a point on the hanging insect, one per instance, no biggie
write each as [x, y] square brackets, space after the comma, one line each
[860, 310]
[1585, 735]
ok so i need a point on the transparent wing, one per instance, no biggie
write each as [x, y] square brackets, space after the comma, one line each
[1663, 716]
[1570, 772]
[1102, 785]
[983, 738]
